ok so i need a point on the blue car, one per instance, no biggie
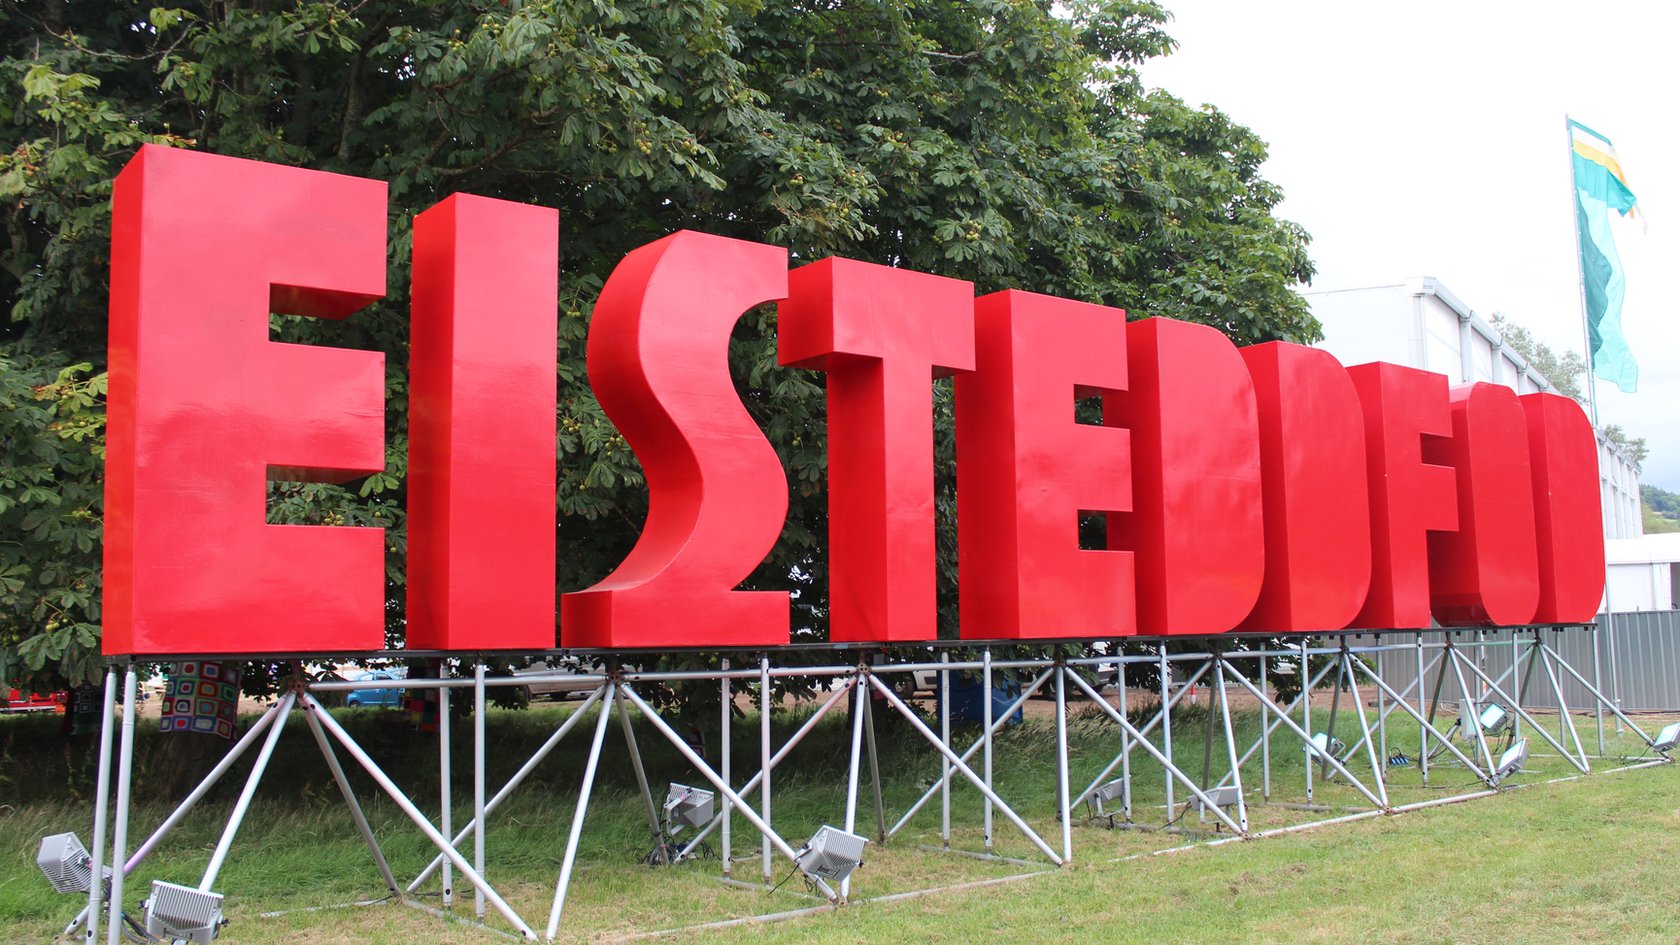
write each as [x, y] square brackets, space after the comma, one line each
[383, 696]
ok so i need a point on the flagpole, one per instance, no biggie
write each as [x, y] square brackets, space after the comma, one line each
[1580, 275]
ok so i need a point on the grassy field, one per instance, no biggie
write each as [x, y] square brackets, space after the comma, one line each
[1588, 860]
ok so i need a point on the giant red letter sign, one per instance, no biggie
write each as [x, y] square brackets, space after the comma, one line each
[481, 427]
[1196, 523]
[202, 405]
[1409, 495]
[1563, 453]
[880, 333]
[717, 496]
[1026, 469]
[1317, 505]
[1486, 572]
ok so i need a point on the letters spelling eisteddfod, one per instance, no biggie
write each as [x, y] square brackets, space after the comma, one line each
[1266, 488]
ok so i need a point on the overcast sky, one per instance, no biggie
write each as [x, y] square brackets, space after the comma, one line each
[1427, 139]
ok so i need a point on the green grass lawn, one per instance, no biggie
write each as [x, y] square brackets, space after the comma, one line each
[1588, 860]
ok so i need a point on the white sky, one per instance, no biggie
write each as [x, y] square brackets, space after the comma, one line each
[1427, 139]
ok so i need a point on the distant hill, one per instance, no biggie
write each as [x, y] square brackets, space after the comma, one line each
[1662, 510]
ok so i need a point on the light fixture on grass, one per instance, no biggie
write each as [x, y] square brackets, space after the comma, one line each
[1105, 794]
[688, 807]
[1220, 796]
[1323, 744]
[1511, 761]
[182, 913]
[1667, 739]
[67, 864]
[831, 854]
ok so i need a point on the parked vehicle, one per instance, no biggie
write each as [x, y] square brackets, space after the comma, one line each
[35, 701]
[379, 696]
[559, 679]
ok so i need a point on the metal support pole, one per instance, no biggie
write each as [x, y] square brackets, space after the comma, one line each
[569, 859]
[1598, 684]
[725, 722]
[119, 831]
[1231, 744]
[997, 723]
[1568, 725]
[1306, 715]
[355, 808]
[1301, 733]
[1164, 759]
[1382, 723]
[446, 791]
[874, 770]
[1423, 727]
[656, 830]
[479, 712]
[1517, 687]
[1125, 743]
[441, 861]
[699, 763]
[1061, 763]
[1469, 709]
[764, 761]
[1603, 700]
[101, 812]
[1272, 725]
[1166, 726]
[1335, 704]
[986, 711]
[1379, 772]
[852, 772]
[1444, 740]
[1265, 737]
[945, 736]
[776, 759]
[407, 806]
[244, 803]
[967, 772]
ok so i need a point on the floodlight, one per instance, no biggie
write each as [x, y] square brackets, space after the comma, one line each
[832, 854]
[1667, 739]
[1220, 796]
[67, 864]
[183, 913]
[1493, 718]
[688, 806]
[1113, 790]
[1512, 761]
[1323, 744]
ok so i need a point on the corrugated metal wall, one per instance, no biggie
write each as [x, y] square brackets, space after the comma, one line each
[1639, 653]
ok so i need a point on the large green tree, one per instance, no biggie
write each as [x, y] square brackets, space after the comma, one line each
[1009, 142]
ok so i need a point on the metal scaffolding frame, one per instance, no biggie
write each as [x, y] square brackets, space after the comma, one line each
[1344, 663]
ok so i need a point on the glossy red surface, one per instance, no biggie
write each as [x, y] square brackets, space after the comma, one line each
[481, 426]
[1486, 572]
[1196, 523]
[1317, 502]
[1408, 420]
[1026, 469]
[717, 495]
[880, 334]
[1568, 519]
[203, 408]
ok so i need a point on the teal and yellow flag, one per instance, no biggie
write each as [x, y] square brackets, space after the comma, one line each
[1600, 186]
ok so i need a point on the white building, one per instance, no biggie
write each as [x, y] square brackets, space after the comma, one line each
[1420, 324]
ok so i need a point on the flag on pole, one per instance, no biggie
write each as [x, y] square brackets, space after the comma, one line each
[1601, 186]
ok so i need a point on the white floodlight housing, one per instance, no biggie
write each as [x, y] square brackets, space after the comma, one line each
[689, 806]
[1512, 760]
[1220, 796]
[832, 854]
[1667, 739]
[183, 913]
[67, 864]
[1111, 791]
[1493, 718]
[1323, 744]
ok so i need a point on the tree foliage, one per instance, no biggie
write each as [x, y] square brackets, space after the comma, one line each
[1567, 372]
[1009, 142]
